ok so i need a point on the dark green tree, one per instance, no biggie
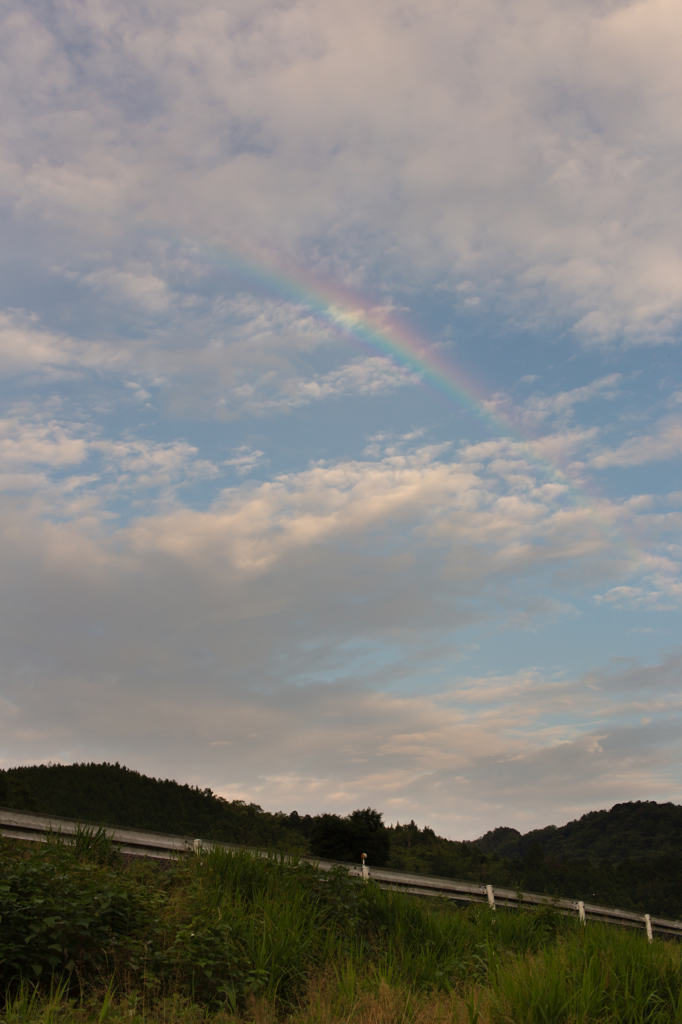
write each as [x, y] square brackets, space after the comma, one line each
[346, 839]
[15, 793]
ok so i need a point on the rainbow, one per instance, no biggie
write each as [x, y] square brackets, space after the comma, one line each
[365, 325]
[359, 322]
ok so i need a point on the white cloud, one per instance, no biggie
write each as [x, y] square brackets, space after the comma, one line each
[26, 347]
[23, 482]
[50, 443]
[293, 605]
[506, 150]
[539, 407]
[489, 515]
[373, 375]
[131, 469]
[244, 459]
[520, 161]
[140, 464]
[448, 503]
[560, 406]
[249, 357]
[140, 394]
[523, 750]
[661, 592]
[664, 444]
[143, 288]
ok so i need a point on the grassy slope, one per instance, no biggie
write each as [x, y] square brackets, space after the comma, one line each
[237, 938]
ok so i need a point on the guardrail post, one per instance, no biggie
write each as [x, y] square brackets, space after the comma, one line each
[581, 912]
[198, 845]
[649, 930]
[491, 896]
[365, 869]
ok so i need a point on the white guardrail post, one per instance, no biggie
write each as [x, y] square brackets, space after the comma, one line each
[30, 826]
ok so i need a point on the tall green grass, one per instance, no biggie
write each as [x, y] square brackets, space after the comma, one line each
[225, 934]
[595, 974]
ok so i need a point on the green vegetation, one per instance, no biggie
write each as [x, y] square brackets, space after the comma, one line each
[638, 830]
[653, 885]
[230, 937]
[115, 795]
[629, 857]
[359, 832]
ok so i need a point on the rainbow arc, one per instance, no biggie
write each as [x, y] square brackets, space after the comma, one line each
[372, 329]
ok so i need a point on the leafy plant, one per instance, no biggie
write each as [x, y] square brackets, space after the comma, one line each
[60, 915]
[88, 844]
[258, 937]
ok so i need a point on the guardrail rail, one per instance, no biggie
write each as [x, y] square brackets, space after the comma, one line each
[34, 827]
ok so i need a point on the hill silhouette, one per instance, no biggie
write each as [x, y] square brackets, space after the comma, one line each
[637, 830]
[629, 856]
[115, 795]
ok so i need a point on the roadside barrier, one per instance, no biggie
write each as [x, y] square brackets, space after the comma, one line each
[34, 827]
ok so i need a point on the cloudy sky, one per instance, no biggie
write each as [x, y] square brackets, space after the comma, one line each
[342, 410]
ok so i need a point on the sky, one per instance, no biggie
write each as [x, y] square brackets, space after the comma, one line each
[341, 400]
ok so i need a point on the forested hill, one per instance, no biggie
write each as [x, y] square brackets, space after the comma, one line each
[630, 856]
[115, 795]
[635, 831]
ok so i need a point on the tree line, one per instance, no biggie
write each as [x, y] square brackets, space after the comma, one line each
[628, 856]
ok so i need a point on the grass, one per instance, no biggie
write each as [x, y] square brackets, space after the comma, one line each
[226, 937]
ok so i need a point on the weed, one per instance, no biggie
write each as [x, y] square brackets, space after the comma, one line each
[228, 937]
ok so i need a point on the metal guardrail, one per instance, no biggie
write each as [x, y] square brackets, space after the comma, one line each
[34, 827]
